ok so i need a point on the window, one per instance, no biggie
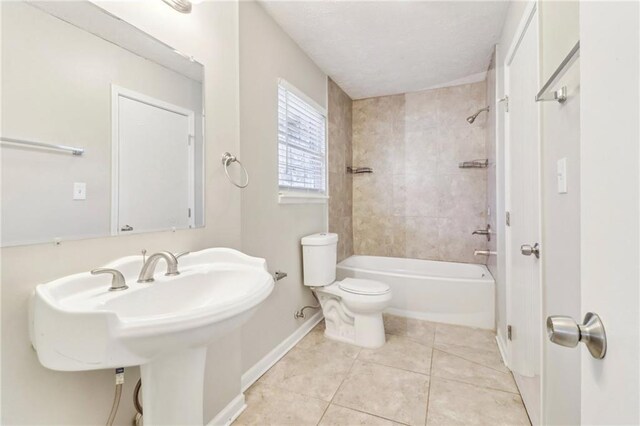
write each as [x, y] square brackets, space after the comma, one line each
[302, 147]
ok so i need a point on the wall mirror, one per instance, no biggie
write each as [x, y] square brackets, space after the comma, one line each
[102, 127]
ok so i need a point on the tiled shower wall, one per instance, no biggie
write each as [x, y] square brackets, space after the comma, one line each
[418, 203]
[340, 183]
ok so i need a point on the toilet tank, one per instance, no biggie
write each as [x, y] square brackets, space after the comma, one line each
[319, 255]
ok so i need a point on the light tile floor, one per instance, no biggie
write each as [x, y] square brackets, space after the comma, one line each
[426, 374]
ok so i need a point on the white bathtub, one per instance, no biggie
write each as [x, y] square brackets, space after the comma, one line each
[454, 293]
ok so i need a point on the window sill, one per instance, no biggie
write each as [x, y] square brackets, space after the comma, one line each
[301, 198]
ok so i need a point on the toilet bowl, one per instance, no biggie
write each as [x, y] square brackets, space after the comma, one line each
[352, 307]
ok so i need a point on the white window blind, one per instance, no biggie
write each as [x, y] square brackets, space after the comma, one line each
[301, 143]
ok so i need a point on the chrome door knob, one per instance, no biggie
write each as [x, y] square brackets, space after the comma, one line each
[564, 331]
[527, 250]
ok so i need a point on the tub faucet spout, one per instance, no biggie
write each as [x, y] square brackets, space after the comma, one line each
[484, 253]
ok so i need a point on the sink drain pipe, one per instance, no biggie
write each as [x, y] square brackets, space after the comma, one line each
[116, 397]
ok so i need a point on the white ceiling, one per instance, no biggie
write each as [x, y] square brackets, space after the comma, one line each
[377, 48]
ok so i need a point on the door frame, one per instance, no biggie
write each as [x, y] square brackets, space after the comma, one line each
[529, 17]
[116, 93]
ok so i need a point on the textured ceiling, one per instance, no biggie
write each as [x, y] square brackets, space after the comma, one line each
[386, 47]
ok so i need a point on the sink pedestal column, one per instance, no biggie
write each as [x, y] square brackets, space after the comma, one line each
[173, 388]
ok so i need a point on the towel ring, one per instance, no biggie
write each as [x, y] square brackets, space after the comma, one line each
[228, 158]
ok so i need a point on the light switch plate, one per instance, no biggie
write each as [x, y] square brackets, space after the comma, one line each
[79, 191]
[562, 176]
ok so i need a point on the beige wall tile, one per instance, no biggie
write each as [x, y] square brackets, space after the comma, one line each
[372, 194]
[424, 238]
[421, 110]
[457, 144]
[421, 151]
[424, 195]
[379, 235]
[414, 143]
[340, 156]
[462, 195]
[399, 196]
[375, 149]
[459, 244]
[456, 103]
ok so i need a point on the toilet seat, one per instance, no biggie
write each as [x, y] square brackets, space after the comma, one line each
[363, 287]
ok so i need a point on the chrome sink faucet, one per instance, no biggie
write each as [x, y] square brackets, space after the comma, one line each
[149, 267]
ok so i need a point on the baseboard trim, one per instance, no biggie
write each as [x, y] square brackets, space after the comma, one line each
[229, 413]
[502, 347]
[261, 367]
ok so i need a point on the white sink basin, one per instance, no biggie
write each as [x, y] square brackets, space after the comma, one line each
[77, 324]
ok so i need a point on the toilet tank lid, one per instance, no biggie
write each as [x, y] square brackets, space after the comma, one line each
[320, 239]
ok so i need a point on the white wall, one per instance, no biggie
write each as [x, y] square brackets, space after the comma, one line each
[514, 15]
[59, 76]
[559, 32]
[32, 394]
[560, 138]
[269, 229]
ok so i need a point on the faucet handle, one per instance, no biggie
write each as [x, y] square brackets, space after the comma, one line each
[179, 255]
[117, 279]
[486, 232]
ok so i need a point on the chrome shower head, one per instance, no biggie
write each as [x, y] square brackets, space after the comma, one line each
[473, 117]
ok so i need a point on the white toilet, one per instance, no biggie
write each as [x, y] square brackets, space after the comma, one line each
[352, 307]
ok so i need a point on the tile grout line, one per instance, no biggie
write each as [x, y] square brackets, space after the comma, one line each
[472, 361]
[283, 389]
[392, 367]
[422, 373]
[339, 386]
[426, 415]
[357, 358]
[371, 414]
[431, 346]
[477, 386]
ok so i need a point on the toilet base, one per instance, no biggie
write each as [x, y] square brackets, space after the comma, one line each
[364, 329]
[367, 333]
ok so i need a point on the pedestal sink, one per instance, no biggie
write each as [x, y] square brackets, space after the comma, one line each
[77, 324]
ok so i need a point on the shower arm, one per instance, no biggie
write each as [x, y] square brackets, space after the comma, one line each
[473, 117]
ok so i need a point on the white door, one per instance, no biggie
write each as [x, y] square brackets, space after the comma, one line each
[153, 164]
[603, 110]
[523, 204]
[610, 267]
